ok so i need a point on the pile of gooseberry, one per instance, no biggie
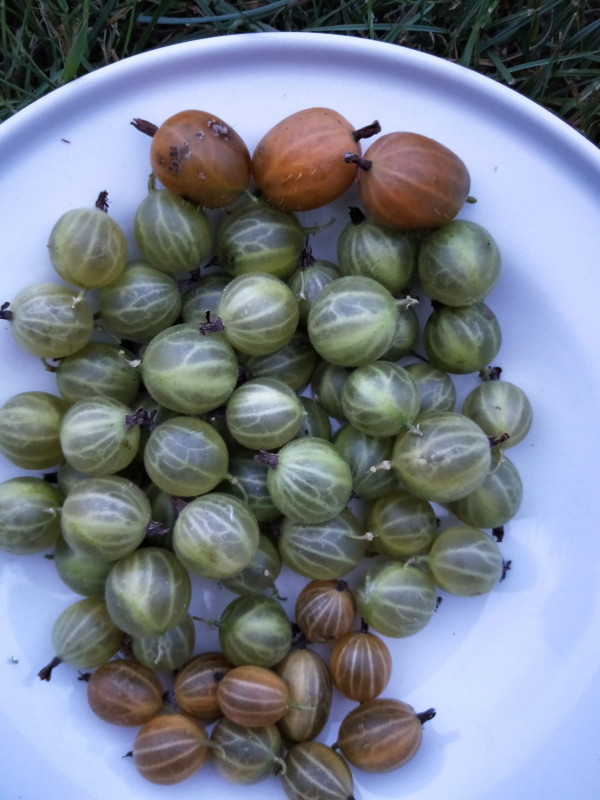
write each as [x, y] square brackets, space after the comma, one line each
[229, 406]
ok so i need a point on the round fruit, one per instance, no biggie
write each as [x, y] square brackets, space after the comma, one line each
[87, 247]
[308, 480]
[197, 682]
[253, 696]
[259, 313]
[312, 769]
[310, 694]
[462, 339]
[299, 163]
[30, 510]
[352, 321]
[361, 665]
[170, 748]
[198, 155]
[245, 755]
[395, 599]
[185, 456]
[382, 734]
[148, 592]
[459, 263]
[444, 457]
[256, 237]
[325, 610]
[172, 234]
[254, 630]
[215, 535]
[411, 182]
[502, 410]
[124, 692]
[49, 321]
[30, 429]
[140, 303]
[465, 561]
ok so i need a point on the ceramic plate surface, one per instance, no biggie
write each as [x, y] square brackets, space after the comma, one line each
[514, 676]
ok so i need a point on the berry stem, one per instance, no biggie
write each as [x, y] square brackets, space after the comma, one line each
[46, 672]
[5, 312]
[367, 131]
[267, 459]
[102, 201]
[142, 125]
[353, 158]
[425, 716]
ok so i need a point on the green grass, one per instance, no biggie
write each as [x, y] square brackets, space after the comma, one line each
[548, 51]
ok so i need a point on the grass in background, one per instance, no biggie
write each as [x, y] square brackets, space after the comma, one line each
[549, 51]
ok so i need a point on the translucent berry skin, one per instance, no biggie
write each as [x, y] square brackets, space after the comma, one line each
[170, 748]
[499, 408]
[380, 735]
[197, 681]
[30, 425]
[379, 252]
[256, 237]
[124, 692]
[259, 312]
[462, 339]
[496, 501]
[325, 610]
[402, 524]
[140, 303]
[263, 413]
[380, 398]
[245, 755]
[199, 156]
[252, 695]
[414, 182]
[395, 599]
[29, 515]
[322, 550]
[99, 368]
[436, 387]
[172, 234]
[87, 248]
[310, 694]
[95, 437]
[215, 535]
[361, 665]
[187, 372]
[254, 630]
[185, 456]
[311, 482]
[315, 770]
[83, 574]
[168, 651]
[49, 322]
[84, 635]
[465, 561]
[459, 263]
[147, 592]
[105, 517]
[444, 458]
[299, 163]
[352, 321]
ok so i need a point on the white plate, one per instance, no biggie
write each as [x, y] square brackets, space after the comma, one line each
[514, 676]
